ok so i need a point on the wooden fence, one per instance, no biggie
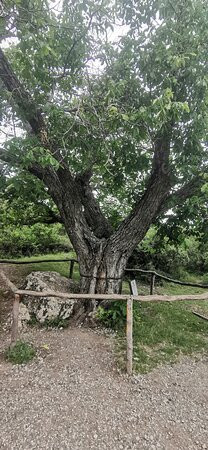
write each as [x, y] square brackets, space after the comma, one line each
[72, 261]
[18, 293]
[153, 274]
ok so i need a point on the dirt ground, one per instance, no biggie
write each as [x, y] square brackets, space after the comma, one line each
[72, 396]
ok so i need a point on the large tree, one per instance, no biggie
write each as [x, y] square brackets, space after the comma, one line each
[108, 123]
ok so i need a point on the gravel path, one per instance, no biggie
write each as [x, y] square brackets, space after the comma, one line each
[72, 397]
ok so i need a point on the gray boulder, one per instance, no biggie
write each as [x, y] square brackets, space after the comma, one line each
[44, 309]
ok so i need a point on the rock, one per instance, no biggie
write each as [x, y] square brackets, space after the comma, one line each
[43, 309]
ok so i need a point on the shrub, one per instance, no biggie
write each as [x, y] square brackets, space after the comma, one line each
[31, 240]
[191, 255]
[21, 353]
[114, 316]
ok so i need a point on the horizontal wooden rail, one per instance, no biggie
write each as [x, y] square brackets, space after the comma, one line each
[171, 280]
[140, 298]
[12, 261]
[73, 260]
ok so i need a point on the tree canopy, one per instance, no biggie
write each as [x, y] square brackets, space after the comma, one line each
[108, 104]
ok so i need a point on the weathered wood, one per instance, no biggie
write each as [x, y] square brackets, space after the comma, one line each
[70, 295]
[129, 298]
[152, 284]
[200, 315]
[15, 316]
[71, 270]
[171, 280]
[129, 336]
[34, 261]
[140, 298]
[10, 285]
[133, 287]
[152, 272]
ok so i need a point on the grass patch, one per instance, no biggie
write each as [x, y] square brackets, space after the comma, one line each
[60, 267]
[162, 332]
[163, 287]
[177, 289]
[21, 353]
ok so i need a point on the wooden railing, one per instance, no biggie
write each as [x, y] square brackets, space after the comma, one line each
[153, 274]
[19, 293]
[72, 261]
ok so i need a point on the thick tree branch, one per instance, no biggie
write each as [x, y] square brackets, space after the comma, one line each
[135, 226]
[29, 111]
[35, 168]
[60, 183]
[34, 116]
[22, 98]
[178, 197]
[93, 214]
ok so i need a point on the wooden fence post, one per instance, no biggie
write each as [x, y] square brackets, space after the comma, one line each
[129, 335]
[133, 287]
[71, 270]
[15, 316]
[152, 284]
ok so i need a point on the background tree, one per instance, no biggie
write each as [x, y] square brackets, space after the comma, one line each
[24, 201]
[137, 130]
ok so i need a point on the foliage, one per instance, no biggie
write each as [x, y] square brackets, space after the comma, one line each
[155, 78]
[20, 353]
[129, 137]
[114, 316]
[25, 201]
[31, 240]
[190, 254]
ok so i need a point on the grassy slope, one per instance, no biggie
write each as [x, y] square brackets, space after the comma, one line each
[162, 331]
[62, 268]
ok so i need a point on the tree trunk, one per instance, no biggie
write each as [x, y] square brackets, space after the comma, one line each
[102, 271]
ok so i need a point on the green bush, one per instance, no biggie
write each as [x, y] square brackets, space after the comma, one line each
[32, 240]
[21, 353]
[191, 255]
[114, 316]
